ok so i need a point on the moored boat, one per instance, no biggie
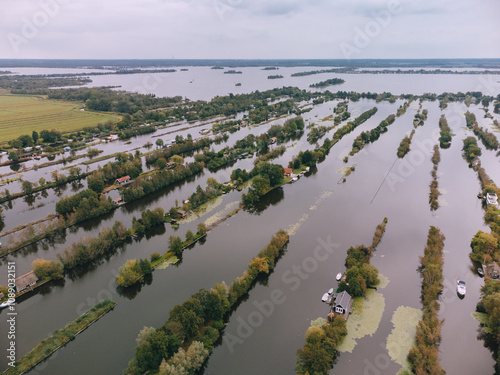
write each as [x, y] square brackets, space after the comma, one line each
[339, 276]
[325, 297]
[7, 303]
[480, 271]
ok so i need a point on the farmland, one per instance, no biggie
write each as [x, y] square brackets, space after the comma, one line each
[21, 114]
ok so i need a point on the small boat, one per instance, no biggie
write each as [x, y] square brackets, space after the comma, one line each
[461, 288]
[330, 291]
[7, 303]
[295, 178]
[325, 297]
[339, 276]
[480, 271]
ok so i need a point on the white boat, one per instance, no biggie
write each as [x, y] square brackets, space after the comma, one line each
[339, 276]
[330, 291]
[7, 303]
[325, 297]
[461, 288]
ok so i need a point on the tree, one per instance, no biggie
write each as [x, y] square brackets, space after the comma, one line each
[42, 181]
[189, 236]
[173, 213]
[35, 137]
[129, 273]
[201, 229]
[27, 187]
[95, 182]
[145, 267]
[159, 142]
[175, 245]
[177, 159]
[13, 156]
[48, 269]
[161, 163]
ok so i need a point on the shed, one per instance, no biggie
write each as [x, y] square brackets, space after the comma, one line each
[288, 172]
[343, 303]
[26, 281]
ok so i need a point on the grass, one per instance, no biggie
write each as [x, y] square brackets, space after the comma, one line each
[22, 114]
[60, 338]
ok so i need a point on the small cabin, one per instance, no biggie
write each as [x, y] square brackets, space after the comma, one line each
[288, 172]
[273, 140]
[343, 304]
[26, 281]
[491, 199]
[123, 180]
[170, 164]
[118, 201]
[182, 213]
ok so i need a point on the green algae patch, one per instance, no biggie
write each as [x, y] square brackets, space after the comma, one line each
[167, 262]
[202, 210]
[402, 337]
[344, 170]
[222, 213]
[384, 281]
[318, 322]
[364, 320]
[482, 318]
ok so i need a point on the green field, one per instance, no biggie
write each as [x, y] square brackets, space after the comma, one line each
[20, 114]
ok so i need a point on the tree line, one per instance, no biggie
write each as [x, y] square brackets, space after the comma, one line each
[424, 355]
[200, 319]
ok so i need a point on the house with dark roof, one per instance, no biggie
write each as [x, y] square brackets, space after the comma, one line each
[26, 281]
[342, 304]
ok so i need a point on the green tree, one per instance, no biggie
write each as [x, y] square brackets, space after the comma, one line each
[161, 163]
[189, 236]
[145, 266]
[175, 245]
[129, 273]
[177, 159]
[95, 182]
[13, 156]
[35, 136]
[45, 269]
[159, 142]
[27, 187]
[201, 229]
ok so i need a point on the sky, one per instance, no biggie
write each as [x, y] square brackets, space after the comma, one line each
[249, 29]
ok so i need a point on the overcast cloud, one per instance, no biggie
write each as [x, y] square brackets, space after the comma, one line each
[249, 29]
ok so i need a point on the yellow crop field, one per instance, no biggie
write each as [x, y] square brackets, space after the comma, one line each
[20, 114]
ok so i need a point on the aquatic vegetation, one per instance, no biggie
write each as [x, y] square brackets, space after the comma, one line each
[403, 335]
[364, 320]
[167, 262]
